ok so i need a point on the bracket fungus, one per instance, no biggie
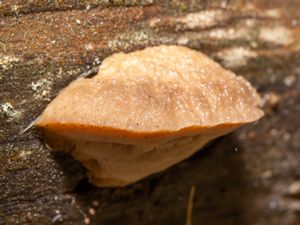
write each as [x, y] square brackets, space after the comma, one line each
[145, 111]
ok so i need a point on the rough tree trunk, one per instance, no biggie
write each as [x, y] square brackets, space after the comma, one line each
[249, 177]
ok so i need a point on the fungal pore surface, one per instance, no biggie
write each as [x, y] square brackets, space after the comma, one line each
[145, 111]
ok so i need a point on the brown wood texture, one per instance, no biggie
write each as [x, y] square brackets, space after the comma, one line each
[251, 176]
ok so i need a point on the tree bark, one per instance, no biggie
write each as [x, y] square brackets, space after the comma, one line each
[251, 176]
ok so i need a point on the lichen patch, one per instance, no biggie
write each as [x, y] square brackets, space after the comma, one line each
[278, 35]
[236, 57]
[216, 35]
[24, 154]
[9, 111]
[273, 13]
[202, 19]
[6, 61]
[42, 89]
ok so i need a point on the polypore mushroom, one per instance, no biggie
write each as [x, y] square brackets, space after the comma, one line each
[145, 111]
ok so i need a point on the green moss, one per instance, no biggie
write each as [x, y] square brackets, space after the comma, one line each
[131, 2]
[129, 40]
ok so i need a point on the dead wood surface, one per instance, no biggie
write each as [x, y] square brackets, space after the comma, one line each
[249, 177]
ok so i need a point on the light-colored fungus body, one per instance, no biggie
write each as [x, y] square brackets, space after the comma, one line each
[145, 111]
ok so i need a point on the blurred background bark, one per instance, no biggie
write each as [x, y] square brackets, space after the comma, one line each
[251, 176]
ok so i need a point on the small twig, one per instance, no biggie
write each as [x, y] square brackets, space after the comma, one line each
[58, 217]
[190, 206]
[29, 126]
